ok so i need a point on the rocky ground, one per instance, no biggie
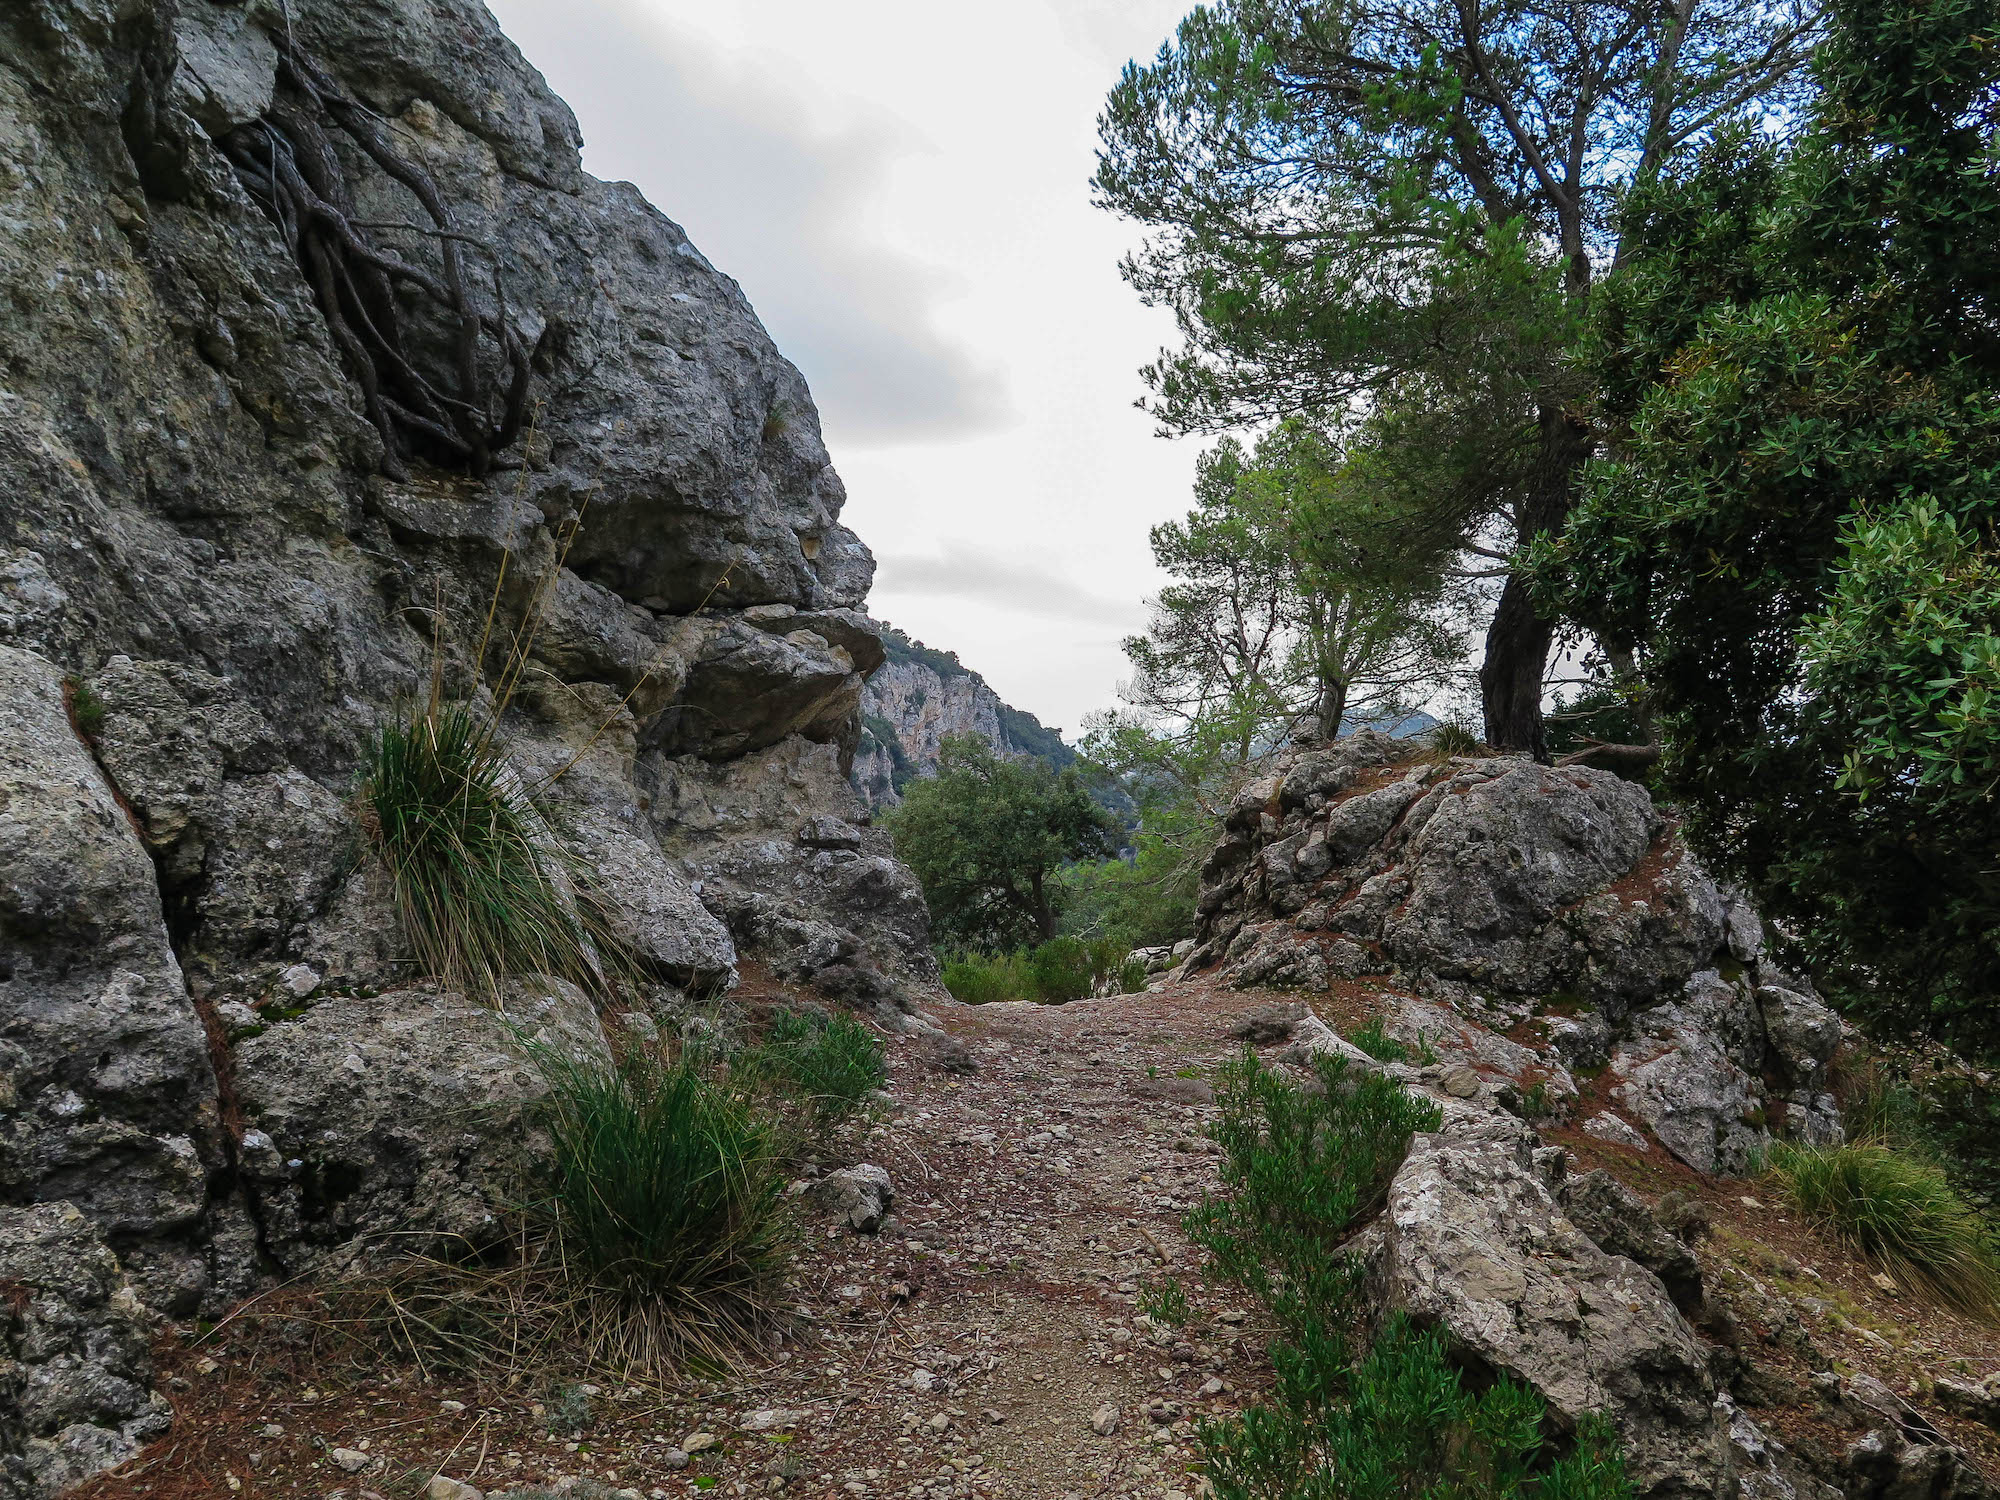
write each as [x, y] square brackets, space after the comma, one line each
[989, 1339]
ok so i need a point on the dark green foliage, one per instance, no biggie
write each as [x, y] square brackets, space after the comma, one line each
[1796, 521]
[986, 836]
[831, 1061]
[484, 889]
[1302, 1168]
[86, 709]
[900, 648]
[1377, 1043]
[1061, 969]
[1166, 1303]
[1400, 209]
[1023, 732]
[668, 1188]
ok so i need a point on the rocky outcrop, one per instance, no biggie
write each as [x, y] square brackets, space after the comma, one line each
[331, 368]
[75, 1362]
[1552, 904]
[919, 697]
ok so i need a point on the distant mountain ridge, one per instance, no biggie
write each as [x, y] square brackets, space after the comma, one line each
[916, 698]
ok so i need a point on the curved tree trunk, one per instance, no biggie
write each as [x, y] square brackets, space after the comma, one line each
[1517, 642]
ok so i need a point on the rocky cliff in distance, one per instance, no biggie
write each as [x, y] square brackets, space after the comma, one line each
[317, 333]
[916, 698]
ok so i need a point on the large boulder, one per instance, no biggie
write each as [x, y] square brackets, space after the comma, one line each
[1472, 1240]
[408, 1114]
[108, 1093]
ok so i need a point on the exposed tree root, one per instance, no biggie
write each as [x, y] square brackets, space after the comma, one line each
[462, 415]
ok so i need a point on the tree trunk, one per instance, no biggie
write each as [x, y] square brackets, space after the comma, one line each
[1517, 642]
[1045, 916]
[1330, 708]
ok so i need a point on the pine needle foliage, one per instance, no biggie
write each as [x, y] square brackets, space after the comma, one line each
[1302, 1168]
[1902, 1213]
[483, 887]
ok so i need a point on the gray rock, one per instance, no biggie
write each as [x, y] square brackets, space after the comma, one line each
[408, 1113]
[1802, 1032]
[1472, 1241]
[1615, 1130]
[76, 1393]
[859, 1195]
[1677, 1075]
[652, 907]
[1618, 1219]
[199, 527]
[104, 1068]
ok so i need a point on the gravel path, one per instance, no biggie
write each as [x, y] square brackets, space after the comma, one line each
[989, 1341]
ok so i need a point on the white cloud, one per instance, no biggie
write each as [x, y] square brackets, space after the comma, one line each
[902, 188]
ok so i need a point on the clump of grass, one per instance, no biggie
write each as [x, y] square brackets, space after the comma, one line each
[484, 889]
[668, 1195]
[1902, 1213]
[833, 1062]
[1450, 740]
[1377, 1043]
[1301, 1169]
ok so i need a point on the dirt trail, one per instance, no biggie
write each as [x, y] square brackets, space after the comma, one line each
[964, 1351]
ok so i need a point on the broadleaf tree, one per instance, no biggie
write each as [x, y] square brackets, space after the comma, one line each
[987, 837]
[1798, 517]
[1398, 208]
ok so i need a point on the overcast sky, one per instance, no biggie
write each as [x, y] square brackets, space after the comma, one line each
[902, 190]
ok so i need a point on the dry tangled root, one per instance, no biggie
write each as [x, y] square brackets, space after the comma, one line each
[462, 414]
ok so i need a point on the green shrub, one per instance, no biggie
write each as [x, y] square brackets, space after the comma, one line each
[668, 1194]
[980, 979]
[1166, 1303]
[1377, 1043]
[1301, 1168]
[834, 1062]
[86, 709]
[483, 888]
[1899, 1210]
[1063, 970]
[1132, 977]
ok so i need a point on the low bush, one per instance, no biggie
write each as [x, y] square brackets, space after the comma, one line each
[668, 1195]
[482, 886]
[983, 979]
[1902, 1212]
[1060, 970]
[1301, 1169]
[1063, 970]
[832, 1062]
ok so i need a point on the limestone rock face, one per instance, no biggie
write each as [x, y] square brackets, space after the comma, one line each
[1552, 904]
[75, 1358]
[917, 698]
[209, 550]
[107, 1098]
[405, 1113]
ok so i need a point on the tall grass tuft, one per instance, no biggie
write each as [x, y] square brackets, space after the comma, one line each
[832, 1062]
[484, 889]
[1901, 1212]
[668, 1196]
